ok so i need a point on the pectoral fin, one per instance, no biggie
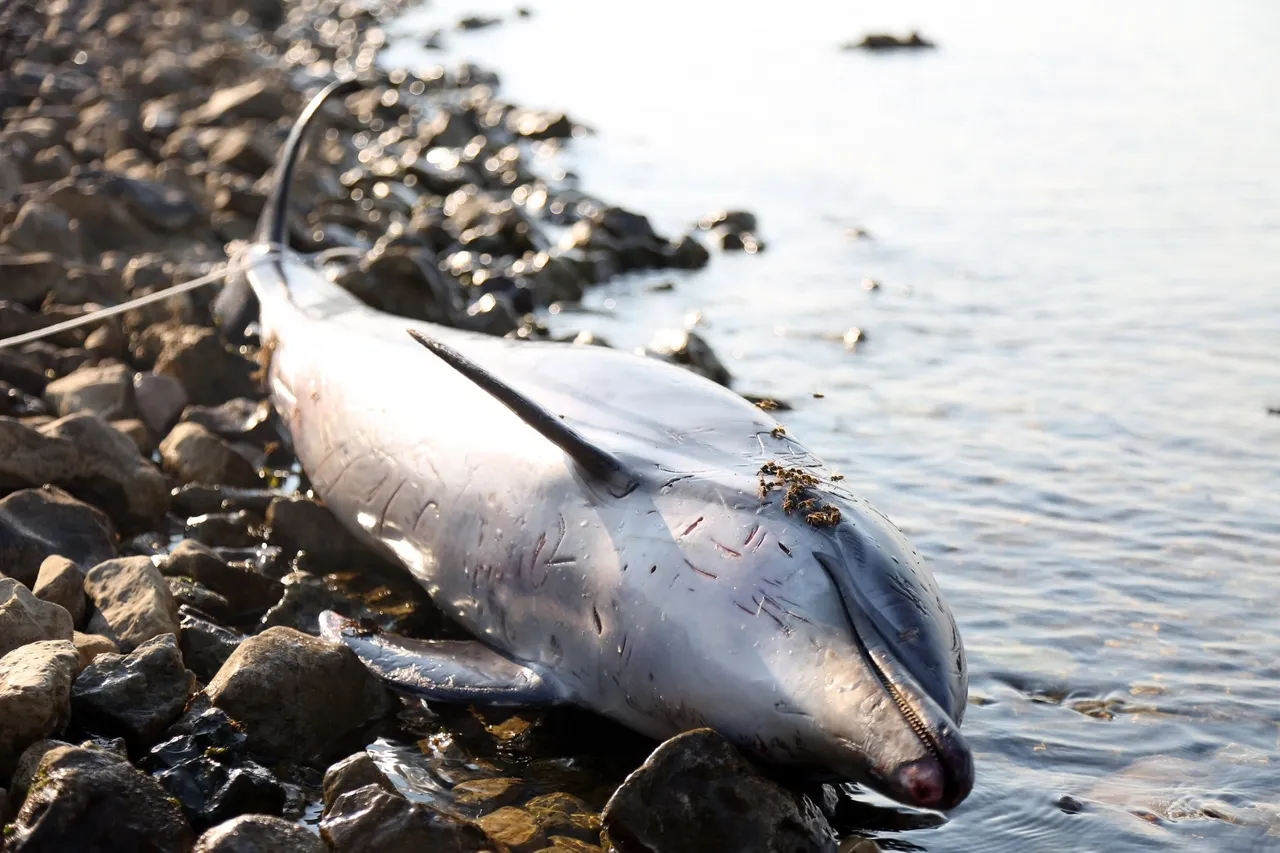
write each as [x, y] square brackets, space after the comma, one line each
[460, 671]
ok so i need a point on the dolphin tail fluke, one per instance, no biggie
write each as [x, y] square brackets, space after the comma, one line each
[455, 671]
[237, 305]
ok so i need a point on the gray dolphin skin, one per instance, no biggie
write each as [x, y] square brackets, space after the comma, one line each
[616, 532]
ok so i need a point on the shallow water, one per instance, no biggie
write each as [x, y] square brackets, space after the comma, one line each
[1062, 395]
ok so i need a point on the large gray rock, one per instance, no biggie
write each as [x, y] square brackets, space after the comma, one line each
[370, 818]
[133, 602]
[160, 401]
[93, 801]
[37, 523]
[352, 772]
[35, 696]
[247, 593]
[106, 391]
[194, 455]
[259, 834]
[209, 372]
[205, 645]
[61, 582]
[26, 619]
[300, 698]
[697, 792]
[134, 696]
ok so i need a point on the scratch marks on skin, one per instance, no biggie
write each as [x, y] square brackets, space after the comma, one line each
[538, 573]
[382, 516]
[705, 574]
[751, 538]
[691, 527]
[675, 480]
[726, 549]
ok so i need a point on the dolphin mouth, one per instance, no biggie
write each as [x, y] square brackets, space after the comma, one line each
[943, 777]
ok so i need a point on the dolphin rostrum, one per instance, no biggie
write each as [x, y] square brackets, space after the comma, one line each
[616, 532]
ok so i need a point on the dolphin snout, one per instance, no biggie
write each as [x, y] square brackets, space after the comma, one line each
[923, 781]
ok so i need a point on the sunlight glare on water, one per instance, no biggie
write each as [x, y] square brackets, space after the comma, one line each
[1062, 396]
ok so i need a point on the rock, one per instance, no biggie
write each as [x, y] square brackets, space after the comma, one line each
[732, 220]
[223, 529]
[31, 277]
[205, 646]
[254, 99]
[26, 619]
[258, 834]
[93, 801]
[697, 792]
[159, 400]
[136, 431]
[134, 696]
[108, 469]
[305, 598]
[301, 698]
[133, 602]
[488, 793]
[197, 596]
[61, 582]
[240, 419]
[248, 594]
[209, 372]
[688, 349]
[35, 696]
[204, 498]
[687, 253]
[43, 227]
[539, 124]
[561, 814]
[300, 524]
[193, 454]
[89, 646]
[515, 828]
[478, 22]
[739, 241]
[370, 818]
[105, 391]
[38, 523]
[352, 772]
[16, 403]
[237, 149]
[882, 41]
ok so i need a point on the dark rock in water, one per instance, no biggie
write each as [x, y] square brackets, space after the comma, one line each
[133, 602]
[61, 582]
[160, 401]
[35, 696]
[135, 696]
[248, 594]
[513, 827]
[697, 792]
[94, 802]
[195, 455]
[248, 789]
[205, 645]
[739, 241]
[687, 254]
[204, 498]
[16, 403]
[478, 22]
[370, 818]
[732, 220]
[228, 529]
[564, 815]
[38, 523]
[240, 419]
[883, 41]
[688, 349]
[208, 371]
[256, 833]
[197, 596]
[105, 391]
[26, 619]
[301, 698]
[305, 598]
[202, 732]
[300, 524]
[353, 772]
[539, 124]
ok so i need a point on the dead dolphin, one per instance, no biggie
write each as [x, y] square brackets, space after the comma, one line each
[616, 532]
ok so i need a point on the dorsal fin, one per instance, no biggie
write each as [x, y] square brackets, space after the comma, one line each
[597, 462]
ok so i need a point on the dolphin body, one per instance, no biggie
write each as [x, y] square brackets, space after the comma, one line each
[617, 533]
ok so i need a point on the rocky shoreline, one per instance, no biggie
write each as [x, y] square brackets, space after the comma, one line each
[162, 564]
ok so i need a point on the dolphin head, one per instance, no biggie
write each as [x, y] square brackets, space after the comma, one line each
[844, 659]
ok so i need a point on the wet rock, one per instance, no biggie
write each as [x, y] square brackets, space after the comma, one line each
[93, 801]
[370, 818]
[353, 772]
[133, 602]
[562, 814]
[104, 466]
[136, 431]
[254, 99]
[688, 349]
[199, 597]
[26, 619]
[205, 645]
[732, 220]
[30, 277]
[204, 498]
[478, 22]
[193, 454]
[687, 253]
[259, 834]
[106, 391]
[35, 696]
[208, 371]
[134, 696]
[739, 241]
[247, 593]
[539, 124]
[159, 400]
[43, 227]
[301, 698]
[89, 646]
[696, 792]
[515, 828]
[299, 524]
[305, 598]
[226, 529]
[885, 41]
[488, 793]
[61, 582]
[238, 420]
[16, 403]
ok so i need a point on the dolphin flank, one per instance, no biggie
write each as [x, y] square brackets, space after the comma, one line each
[616, 532]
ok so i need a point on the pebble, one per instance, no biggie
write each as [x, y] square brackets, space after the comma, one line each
[258, 834]
[689, 349]
[106, 391]
[134, 696]
[26, 619]
[93, 801]
[371, 818]
[302, 698]
[697, 792]
[61, 582]
[159, 400]
[35, 696]
[38, 523]
[132, 600]
[205, 645]
[89, 646]
[194, 455]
